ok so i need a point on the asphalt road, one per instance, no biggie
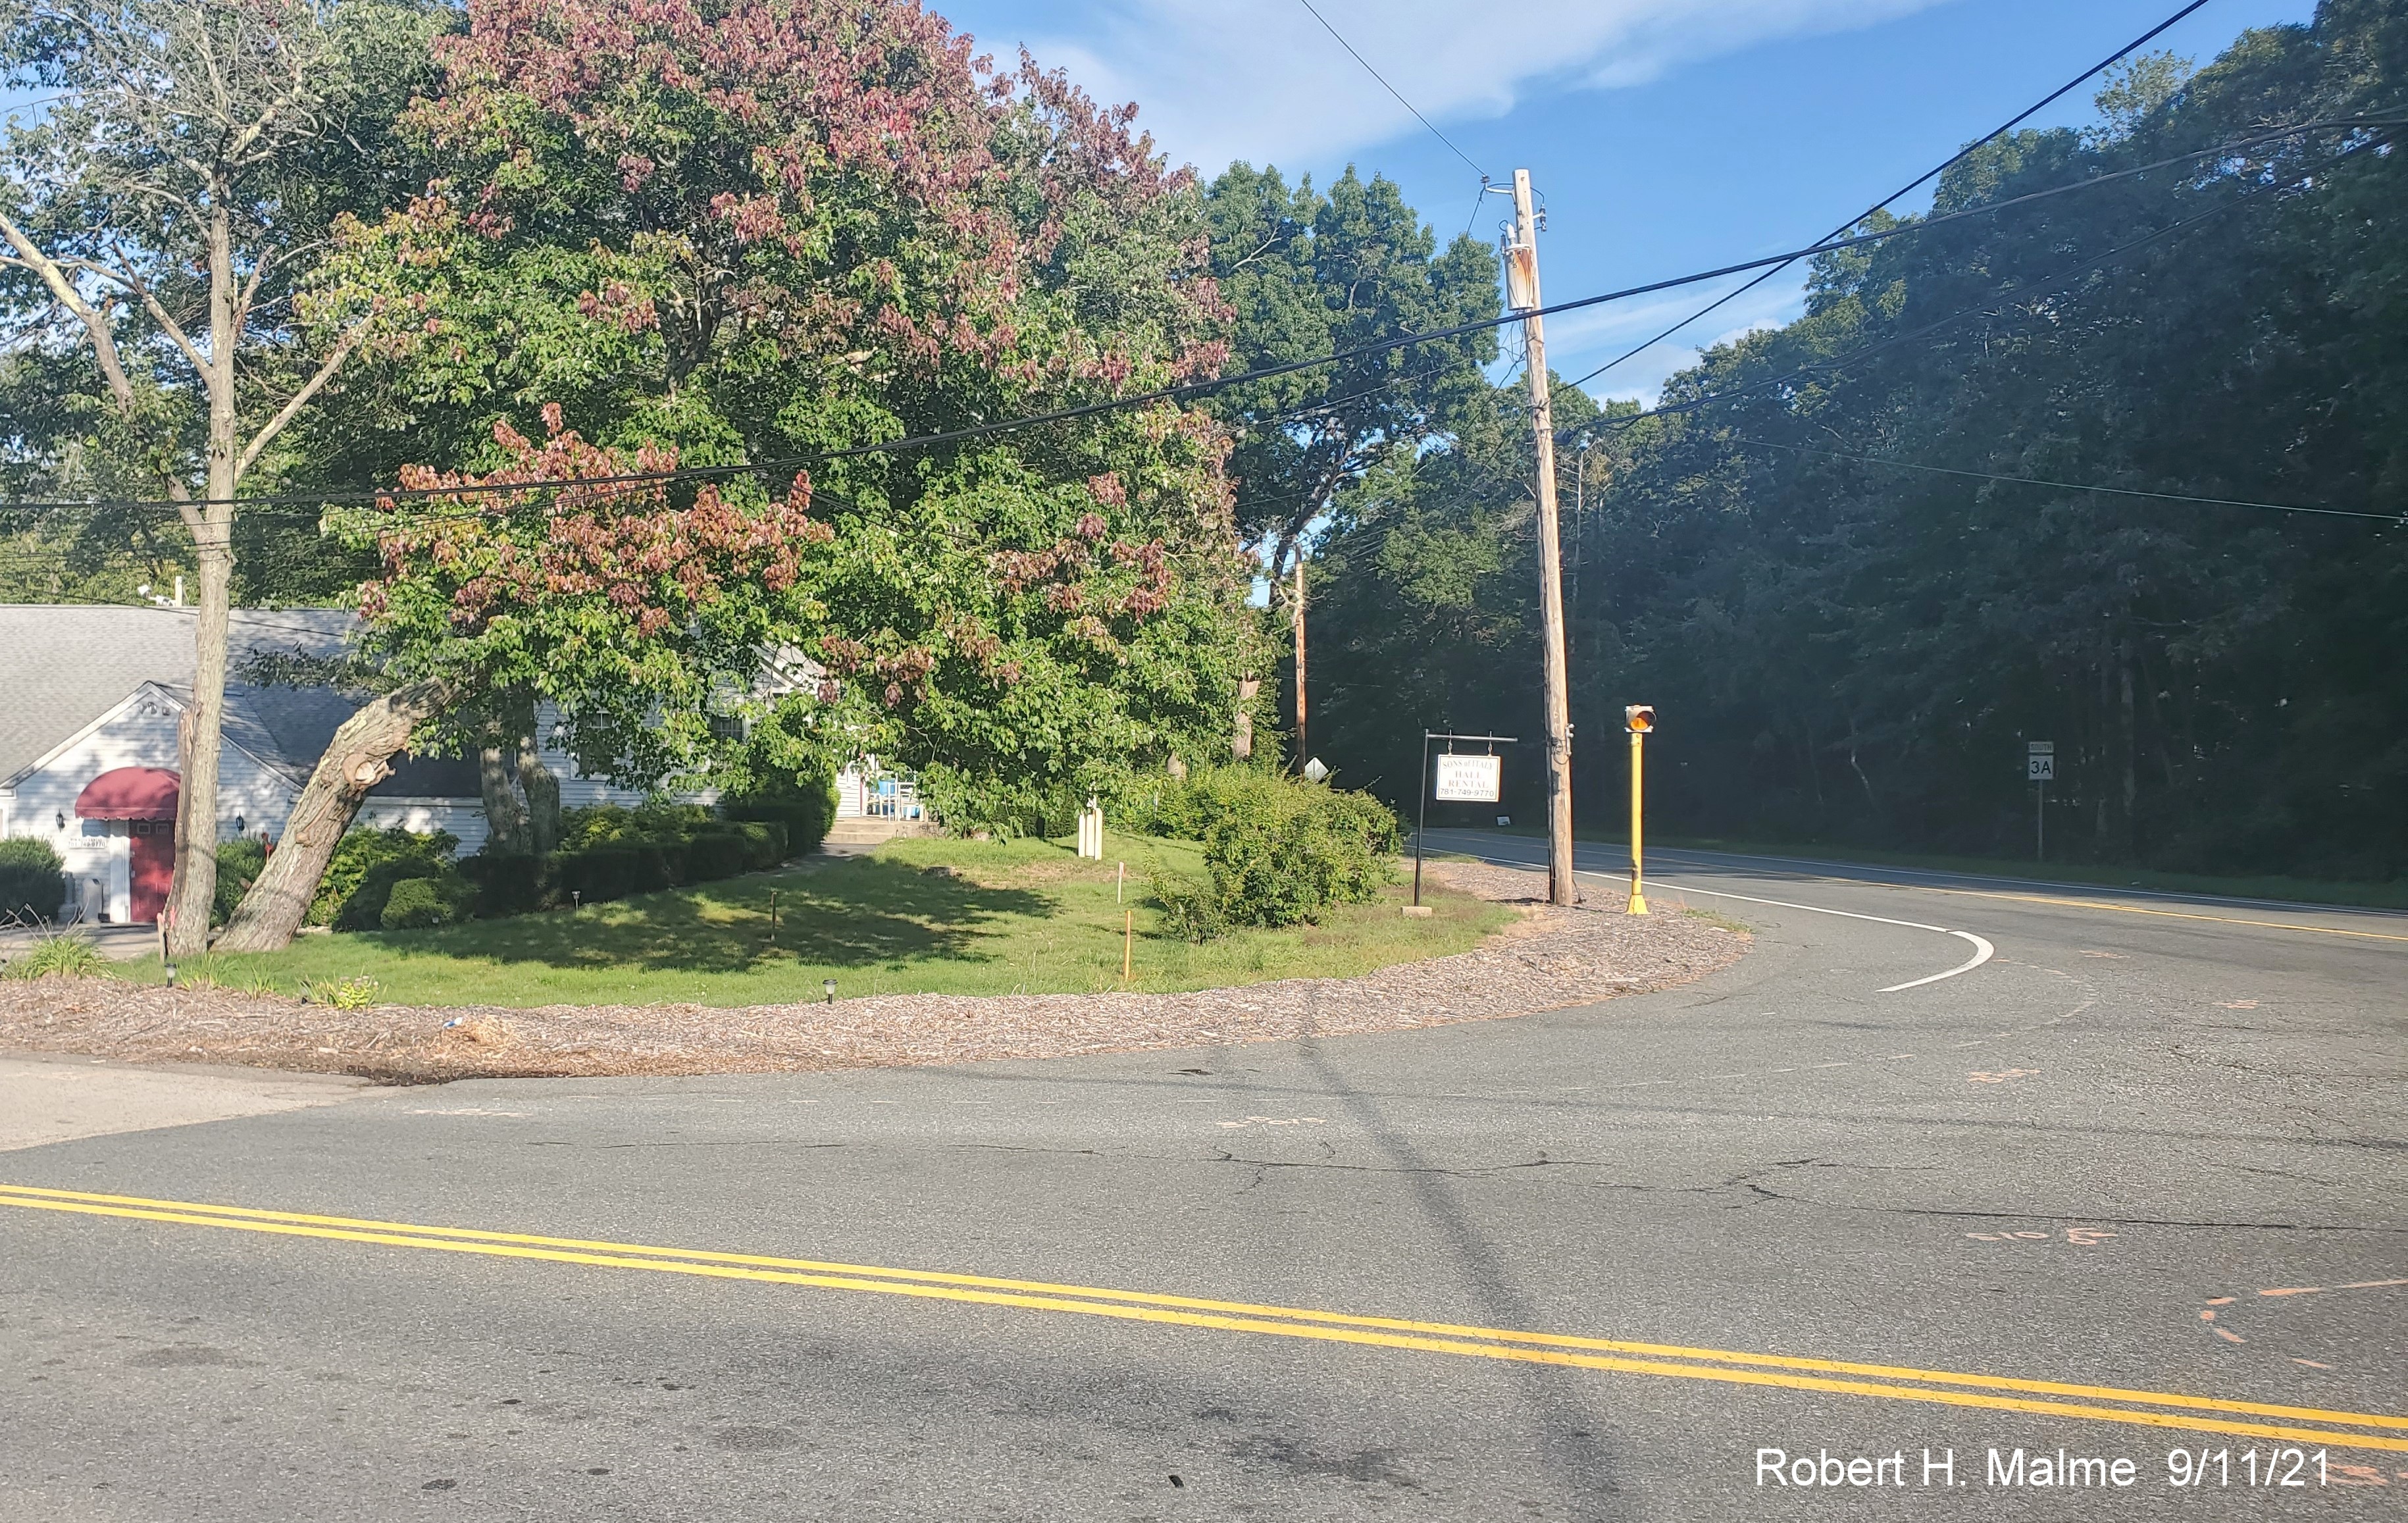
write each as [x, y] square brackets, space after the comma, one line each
[2130, 1189]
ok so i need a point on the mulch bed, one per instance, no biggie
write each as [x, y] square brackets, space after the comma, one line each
[1551, 958]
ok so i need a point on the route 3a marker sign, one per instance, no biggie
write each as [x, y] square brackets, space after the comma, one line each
[2040, 761]
[1470, 780]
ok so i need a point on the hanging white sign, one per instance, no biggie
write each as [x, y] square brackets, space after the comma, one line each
[1470, 780]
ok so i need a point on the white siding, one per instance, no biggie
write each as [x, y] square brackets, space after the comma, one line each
[462, 817]
[142, 734]
[577, 791]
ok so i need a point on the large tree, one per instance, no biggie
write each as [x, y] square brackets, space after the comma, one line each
[158, 216]
[1309, 273]
[697, 238]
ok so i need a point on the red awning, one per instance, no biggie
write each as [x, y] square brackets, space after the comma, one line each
[129, 793]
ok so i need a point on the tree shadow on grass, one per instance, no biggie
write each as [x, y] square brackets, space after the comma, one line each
[844, 914]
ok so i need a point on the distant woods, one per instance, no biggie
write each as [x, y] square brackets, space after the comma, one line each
[1845, 649]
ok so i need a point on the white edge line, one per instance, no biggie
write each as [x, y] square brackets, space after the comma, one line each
[1983, 951]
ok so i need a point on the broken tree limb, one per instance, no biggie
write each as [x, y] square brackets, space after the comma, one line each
[358, 758]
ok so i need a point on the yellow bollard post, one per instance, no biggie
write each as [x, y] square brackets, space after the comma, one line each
[1640, 718]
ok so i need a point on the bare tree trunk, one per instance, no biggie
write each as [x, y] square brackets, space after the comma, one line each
[193, 892]
[542, 790]
[357, 759]
[1303, 751]
[538, 787]
[506, 813]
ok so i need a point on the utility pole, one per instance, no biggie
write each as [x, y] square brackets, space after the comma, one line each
[1301, 750]
[1522, 294]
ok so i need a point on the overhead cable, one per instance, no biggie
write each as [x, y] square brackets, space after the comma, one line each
[1918, 183]
[1400, 94]
[1202, 388]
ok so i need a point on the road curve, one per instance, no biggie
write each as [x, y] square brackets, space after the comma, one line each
[2126, 1188]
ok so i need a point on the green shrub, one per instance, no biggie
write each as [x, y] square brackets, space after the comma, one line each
[805, 813]
[365, 866]
[33, 879]
[1191, 907]
[614, 824]
[419, 903]
[1280, 851]
[70, 955]
[612, 872]
[506, 883]
[239, 864]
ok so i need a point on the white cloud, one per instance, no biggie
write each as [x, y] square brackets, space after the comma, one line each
[1259, 80]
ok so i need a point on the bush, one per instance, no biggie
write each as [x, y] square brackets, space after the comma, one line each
[33, 879]
[614, 824]
[419, 903]
[805, 813]
[506, 883]
[1190, 908]
[624, 852]
[1280, 850]
[611, 873]
[365, 866]
[239, 864]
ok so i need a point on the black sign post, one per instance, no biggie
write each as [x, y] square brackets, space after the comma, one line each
[1422, 823]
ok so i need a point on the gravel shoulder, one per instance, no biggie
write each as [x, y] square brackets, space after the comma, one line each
[1549, 959]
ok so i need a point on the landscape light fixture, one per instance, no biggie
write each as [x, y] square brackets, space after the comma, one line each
[171, 975]
[830, 984]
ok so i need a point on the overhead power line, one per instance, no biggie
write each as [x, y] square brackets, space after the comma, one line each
[2073, 486]
[1693, 404]
[1202, 388]
[1400, 94]
[1917, 183]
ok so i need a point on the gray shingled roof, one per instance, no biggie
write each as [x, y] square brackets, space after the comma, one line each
[63, 665]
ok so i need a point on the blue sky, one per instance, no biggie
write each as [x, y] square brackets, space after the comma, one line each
[1667, 135]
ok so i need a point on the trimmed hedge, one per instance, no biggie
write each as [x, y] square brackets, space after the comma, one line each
[630, 855]
[33, 879]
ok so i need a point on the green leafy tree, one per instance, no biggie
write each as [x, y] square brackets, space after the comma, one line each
[1306, 274]
[701, 238]
[158, 217]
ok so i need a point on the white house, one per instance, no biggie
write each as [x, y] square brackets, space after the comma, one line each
[91, 698]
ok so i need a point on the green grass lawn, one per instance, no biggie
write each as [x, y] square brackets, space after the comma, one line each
[920, 916]
[2377, 896]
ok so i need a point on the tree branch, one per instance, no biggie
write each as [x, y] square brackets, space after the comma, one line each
[159, 315]
[301, 398]
[103, 343]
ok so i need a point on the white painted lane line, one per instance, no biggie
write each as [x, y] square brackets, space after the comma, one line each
[1983, 950]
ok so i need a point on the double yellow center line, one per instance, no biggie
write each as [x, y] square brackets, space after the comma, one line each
[2054, 1399]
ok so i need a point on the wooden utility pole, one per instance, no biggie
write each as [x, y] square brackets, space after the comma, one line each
[1522, 292]
[1297, 599]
